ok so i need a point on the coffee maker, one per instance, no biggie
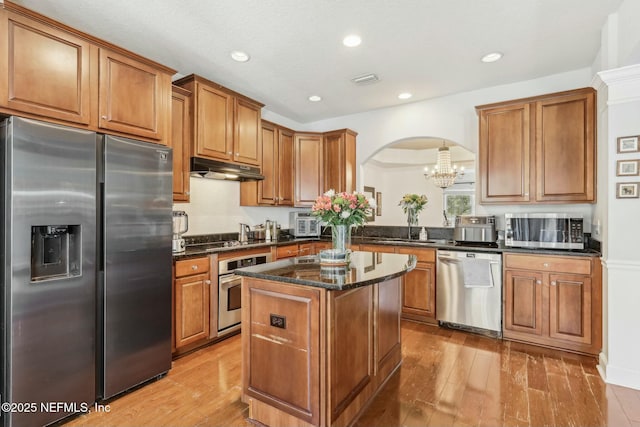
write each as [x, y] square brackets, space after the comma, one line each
[180, 226]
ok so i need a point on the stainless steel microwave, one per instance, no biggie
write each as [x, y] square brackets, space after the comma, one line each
[544, 230]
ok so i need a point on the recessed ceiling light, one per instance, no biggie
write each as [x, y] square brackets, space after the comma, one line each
[405, 95]
[492, 57]
[352, 40]
[315, 98]
[240, 56]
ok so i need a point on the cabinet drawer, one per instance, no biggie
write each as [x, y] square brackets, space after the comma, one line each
[575, 265]
[287, 251]
[188, 267]
[423, 254]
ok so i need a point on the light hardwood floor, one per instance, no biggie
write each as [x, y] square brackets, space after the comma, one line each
[448, 378]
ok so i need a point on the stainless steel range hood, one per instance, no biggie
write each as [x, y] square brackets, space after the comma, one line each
[213, 169]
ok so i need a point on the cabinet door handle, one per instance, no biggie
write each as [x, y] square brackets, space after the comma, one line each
[545, 265]
[553, 283]
[104, 117]
[538, 282]
[207, 282]
[194, 267]
[229, 152]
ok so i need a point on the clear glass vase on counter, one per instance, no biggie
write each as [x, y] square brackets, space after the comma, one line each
[340, 237]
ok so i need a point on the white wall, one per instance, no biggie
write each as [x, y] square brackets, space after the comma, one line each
[620, 358]
[394, 183]
[215, 208]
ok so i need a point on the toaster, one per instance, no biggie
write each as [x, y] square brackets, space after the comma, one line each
[304, 224]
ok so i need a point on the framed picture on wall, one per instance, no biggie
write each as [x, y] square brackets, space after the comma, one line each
[627, 168]
[628, 144]
[370, 192]
[627, 190]
[378, 203]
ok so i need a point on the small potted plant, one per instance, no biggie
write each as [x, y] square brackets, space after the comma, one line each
[412, 204]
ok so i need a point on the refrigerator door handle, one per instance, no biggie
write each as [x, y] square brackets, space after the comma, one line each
[101, 227]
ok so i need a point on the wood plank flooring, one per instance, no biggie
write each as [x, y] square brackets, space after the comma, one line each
[448, 378]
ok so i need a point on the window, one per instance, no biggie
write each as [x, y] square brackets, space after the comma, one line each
[459, 199]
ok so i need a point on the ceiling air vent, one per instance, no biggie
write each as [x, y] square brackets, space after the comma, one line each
[365, 79]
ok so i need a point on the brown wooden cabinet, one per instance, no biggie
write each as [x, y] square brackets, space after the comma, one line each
[323, 162]
[277, 167]
[180, 141]
[539, 150]
[339, 160]
[326, 355]
[418, 285]
[554, 301]
[294, 250]
[192, 301]
[225, 124]
[135, 98]
[45, 70]
[53, 72]
[308, 166]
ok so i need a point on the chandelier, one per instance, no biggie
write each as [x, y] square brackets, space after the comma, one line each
[443, 175]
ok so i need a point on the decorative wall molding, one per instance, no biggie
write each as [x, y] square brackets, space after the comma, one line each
[620, 264]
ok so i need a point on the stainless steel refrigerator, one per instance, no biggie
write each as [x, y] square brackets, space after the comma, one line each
[86, 268]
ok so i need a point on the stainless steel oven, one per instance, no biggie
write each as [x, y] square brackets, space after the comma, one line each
[229, 290]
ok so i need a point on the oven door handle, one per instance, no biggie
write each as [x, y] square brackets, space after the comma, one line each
[227, 280]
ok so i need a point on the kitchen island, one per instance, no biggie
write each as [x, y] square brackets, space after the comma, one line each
[318, 342]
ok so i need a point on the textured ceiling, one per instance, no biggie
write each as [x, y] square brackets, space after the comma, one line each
[430, 48]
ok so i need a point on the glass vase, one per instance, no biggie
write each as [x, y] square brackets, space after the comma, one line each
[341, 237]
[412, 219]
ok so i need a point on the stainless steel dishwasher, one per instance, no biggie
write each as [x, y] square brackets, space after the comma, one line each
[469, 291]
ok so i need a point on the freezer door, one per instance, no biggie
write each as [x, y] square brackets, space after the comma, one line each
[48, 269]
[136, 292]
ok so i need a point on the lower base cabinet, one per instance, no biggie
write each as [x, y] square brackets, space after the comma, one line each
[192, 289]
[419, 285]
[554, 301]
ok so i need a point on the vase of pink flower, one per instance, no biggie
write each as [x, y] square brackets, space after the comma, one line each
[342, 211]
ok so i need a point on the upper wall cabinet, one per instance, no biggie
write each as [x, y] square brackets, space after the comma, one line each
[276, 189]
[140, 114]
[44, 70]
[539, 150]
[339, 150]
[51, 71]
[226, 125]
[180, 141]
[308, 166]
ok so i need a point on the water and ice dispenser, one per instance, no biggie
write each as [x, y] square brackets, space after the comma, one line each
[55, 252]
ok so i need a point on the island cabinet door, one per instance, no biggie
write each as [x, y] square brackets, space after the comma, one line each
[281, 339]
[387, 318]
[350, 350]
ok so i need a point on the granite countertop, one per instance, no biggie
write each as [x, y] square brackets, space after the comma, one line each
[207, 249]
[364, 268]
[451, 245]
[204, 249]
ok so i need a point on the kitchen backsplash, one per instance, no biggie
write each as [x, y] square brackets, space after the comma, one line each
[215, 208]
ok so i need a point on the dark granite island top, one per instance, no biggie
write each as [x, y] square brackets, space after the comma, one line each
[364, 268]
